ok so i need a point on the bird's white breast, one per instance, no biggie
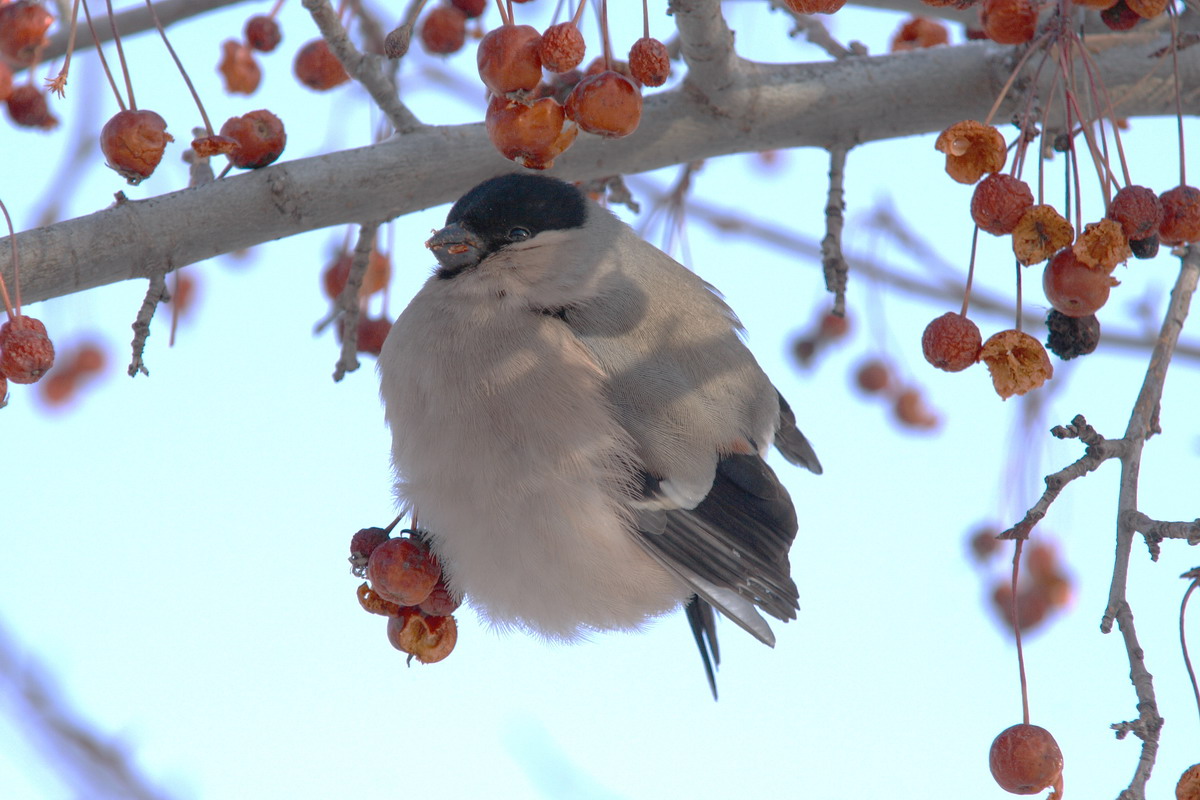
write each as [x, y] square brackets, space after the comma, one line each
[505, 444]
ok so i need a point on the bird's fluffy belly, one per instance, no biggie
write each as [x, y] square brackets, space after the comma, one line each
[517, 469]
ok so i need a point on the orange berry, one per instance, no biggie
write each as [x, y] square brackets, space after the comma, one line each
[133, 143]
[441, 602]
[972, 149]
[1017, 362]
[1188, 787]
[814, 6]
[999, 202]
[239, 68]
[562, 47]
[918, 32]
[318, 68]
[530, 135]
[607, 104]
[6, 81]
[262, 33]
[951, 342]
[984, 543]
[1025, 759]
[873, 376]
[1181, 216]
[403, 570]
[259, 138]
[1139, 211]
[912, 412]
[372, 331]
[428, 638]
[1074, 288]
[23, 26]
[649, 62]
[26, 352]
[1009, 21]
[508, 59]
[28, 108]
[444, 30]
[372, 602]
[1147, 9]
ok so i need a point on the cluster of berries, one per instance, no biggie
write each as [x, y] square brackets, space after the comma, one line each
[405, 584]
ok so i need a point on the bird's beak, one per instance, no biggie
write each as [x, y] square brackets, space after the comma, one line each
[456, 248]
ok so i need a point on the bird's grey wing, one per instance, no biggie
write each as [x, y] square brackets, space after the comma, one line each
[792, 443]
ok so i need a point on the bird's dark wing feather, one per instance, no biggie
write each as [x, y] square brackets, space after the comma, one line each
[792, 443]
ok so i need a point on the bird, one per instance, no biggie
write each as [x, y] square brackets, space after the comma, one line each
[581, 429]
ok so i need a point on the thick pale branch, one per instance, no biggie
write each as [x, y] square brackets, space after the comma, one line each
[850, 101]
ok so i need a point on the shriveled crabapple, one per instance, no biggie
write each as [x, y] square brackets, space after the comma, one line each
[1120, 17]
[1181, 216]
[1102, 245]
[362, 544]
[972, 150]
[607, 104]
[508, 59]
[531, 135]
[318, 68]
[1017, 362]
[649, 62]
[919, 32]
[911, 411]
[1073, 287]
[562, 47]
[28, 108]
[262, 33]
[1147, 9]
[472, 8]
[999, 202]
[428, 638]
[238, 68]
[23, 26]
[403, 570]
[951, 342]
[1009, 21]
[371, 602]
[259, 136]
[1071, 337]
[1144, 248]
[1188, 787]
[1138, 210]
[441, 601]
[814, 6]
[372, 331]
[444, 30]
[26, 352]
[133, 143]
[1025, 759]
[1040, 233]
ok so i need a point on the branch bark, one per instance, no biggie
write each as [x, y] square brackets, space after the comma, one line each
[769, 106]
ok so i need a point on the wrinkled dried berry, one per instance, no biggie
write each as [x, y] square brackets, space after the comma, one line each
[1071, 337]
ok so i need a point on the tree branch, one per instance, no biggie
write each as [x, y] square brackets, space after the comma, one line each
[775, 106]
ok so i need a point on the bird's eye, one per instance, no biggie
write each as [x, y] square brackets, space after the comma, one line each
[519, 234]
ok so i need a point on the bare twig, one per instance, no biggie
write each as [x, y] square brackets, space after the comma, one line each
[156, 293]
[832, 260]
[363, 68]
[348, 307]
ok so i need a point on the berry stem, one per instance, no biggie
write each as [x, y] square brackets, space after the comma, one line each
[970, 273]
[1017, 630]
[1183, 640]
[87, 14]
[1178, 92]
[12, 240]
[112, 21]
[195, 96]
[604, 34]
[646, 19]
[1018, 325]
[512, 18]
[505, 17]
[275, 8]
[578, 13]
[1033, 46]
[58, 84]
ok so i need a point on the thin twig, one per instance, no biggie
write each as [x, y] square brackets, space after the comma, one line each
[348, 307]
[832, 260]
[156, 293]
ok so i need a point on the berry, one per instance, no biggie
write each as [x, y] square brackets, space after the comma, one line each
[912, 412]
[428, 638]
[508, 59]
[1188, 787]
[371, 602]
[1102, 245]
[649, 62]
[814, 6]
[530, 135]
[607, 104]
[1017, 362]
[259, 136]
[951, 342]
[1071, 337]
[1074, 288]
[1040, 233]
[133, 143]
[28, 108]
[26, 352]
[999, 202]
[238, 67]
[1147, 9]
[972, 149]
[833, 326]
[1120, 17]
[472, 8]
[23, 27]
[6, 81]
[1009, 21]
[1139, 211]
[215, 145]
[372, 331]
[364, 542]
[262, 33]
[1181, 216]
[918, 32]
[1032, 606]
[562, 47]
[1025, 759]
[1144, 248]
[984, 543]
[444, 30]
[318, 68]
[441, 602]
[403, 571]
[873, 376]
